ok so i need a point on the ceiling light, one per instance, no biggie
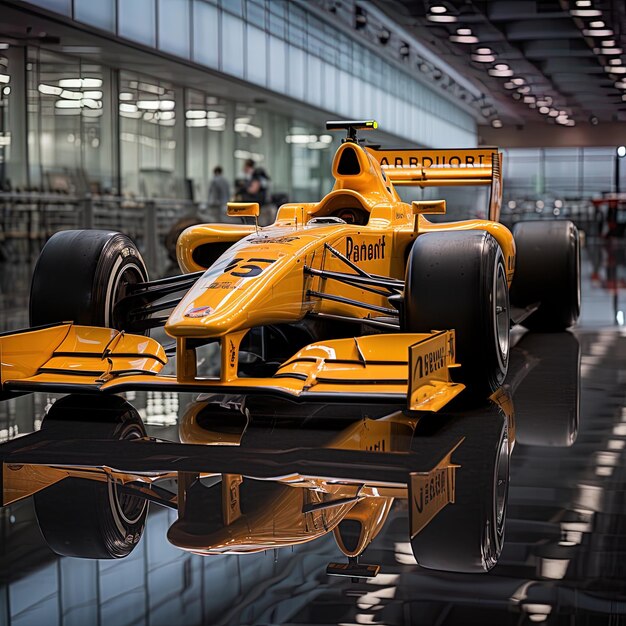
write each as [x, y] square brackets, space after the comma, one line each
[443, 19]
[463, 31]
[615, 69]
[583, 3]
[621, 85]
[496, 123]
[94, 95]
[570, 123]
[608, 51]
[483, 51]
[463, 39]
[518, 81]
[500, 73]
[195, 114]
[150, 105]
[529, 99]
[124, 95]
[609, 43]
[71, 95]
[501, 66]
[621, 152]
[553, 113]
[585, 13]
[509, 85]
[74, 83]
[561, 119]
[4, 46]
[602, 32]
[523, 90]
[49, 90]
[438, 8]
[598, 24]
[544, 110]
[125, 107]
[67, 104]
[483, 58]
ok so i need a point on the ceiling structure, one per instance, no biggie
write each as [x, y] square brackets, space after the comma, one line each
[558, 62]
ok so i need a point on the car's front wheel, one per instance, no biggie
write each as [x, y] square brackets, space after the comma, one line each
[457, 280]
[81, 275]
[91, 518]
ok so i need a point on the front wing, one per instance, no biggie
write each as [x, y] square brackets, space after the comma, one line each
[395, 368]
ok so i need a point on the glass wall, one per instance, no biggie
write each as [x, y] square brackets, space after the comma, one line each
[545, 173]
[283, 46]
[70, 124]
[151, 148]
[5, 134]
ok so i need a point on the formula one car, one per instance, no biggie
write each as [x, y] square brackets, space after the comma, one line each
[357, 296]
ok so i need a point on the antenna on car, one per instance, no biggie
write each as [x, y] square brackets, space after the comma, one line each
[351, 126]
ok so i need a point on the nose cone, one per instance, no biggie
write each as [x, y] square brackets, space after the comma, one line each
[252, 283]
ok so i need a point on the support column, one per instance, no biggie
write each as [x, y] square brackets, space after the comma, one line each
[17, 153]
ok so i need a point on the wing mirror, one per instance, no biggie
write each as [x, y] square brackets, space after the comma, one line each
[243, 209]
[432, 207]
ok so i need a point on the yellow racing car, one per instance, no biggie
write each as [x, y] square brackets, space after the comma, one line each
[357, 296]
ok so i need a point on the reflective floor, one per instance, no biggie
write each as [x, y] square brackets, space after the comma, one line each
[317, 515]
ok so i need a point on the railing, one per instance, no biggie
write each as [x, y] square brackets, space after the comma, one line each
[27, 220]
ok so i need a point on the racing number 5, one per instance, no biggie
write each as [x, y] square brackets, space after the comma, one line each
[251, 270]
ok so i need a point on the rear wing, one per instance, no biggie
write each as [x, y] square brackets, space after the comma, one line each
[448, 167]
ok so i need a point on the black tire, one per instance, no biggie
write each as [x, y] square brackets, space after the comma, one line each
[175, 231]
[547, 270]
[85, 518]
[81, 275]
[547, 396]
[457, 280]
[467, 535]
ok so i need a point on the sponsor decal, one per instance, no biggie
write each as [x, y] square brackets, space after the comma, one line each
[199, 311]
[232, 353]
[467, 160]
[361, 250]
[430, 362]
[225, 284]
[286, 239]
[433, 491]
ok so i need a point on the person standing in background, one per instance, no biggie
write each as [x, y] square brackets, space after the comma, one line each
[219, 193]
[253, 187]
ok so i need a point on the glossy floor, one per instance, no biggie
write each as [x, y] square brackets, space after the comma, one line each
[563, 559]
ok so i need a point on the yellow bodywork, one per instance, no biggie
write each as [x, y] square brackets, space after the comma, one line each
[267, 276]
[303, 508]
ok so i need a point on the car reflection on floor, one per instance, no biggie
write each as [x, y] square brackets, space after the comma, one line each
[243, 479]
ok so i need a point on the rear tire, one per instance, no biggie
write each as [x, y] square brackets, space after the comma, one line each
[457, 280]
[547, 270]
[81, 275]
[85, 518]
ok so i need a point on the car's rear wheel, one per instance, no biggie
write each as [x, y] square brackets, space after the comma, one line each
[81, 275]
[457, 280]
[86, 518]
[547, 272]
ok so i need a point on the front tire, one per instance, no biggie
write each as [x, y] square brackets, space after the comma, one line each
[84, 518]
[467, 535]
[81, 275]
[457, 280]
